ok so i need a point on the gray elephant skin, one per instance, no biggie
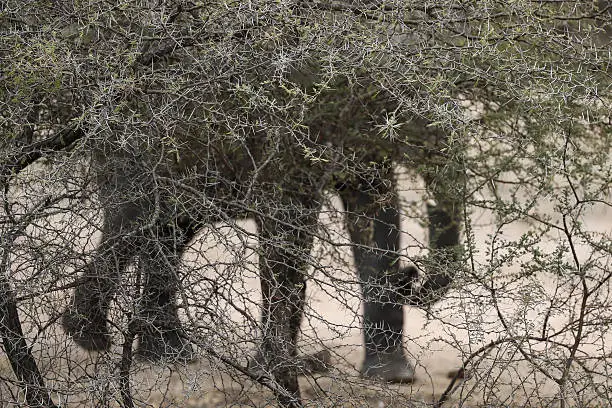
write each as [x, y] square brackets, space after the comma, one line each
[154, 203]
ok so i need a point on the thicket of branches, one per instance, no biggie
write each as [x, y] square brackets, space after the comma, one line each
[512, 95]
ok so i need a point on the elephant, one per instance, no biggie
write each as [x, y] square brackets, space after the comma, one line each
[153, 206]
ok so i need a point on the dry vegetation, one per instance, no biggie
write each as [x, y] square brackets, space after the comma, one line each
[240, 115]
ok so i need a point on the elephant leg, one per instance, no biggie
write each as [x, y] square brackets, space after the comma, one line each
[444, 218]
[85, 319]
[161, 336]
[286, 240]
[374, 231]
[124, 208]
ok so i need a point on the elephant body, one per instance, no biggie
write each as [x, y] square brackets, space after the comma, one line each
[155, 202]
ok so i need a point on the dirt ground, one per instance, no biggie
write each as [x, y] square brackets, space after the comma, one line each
[437, 344]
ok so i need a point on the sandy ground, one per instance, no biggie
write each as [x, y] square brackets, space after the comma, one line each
[437, 342]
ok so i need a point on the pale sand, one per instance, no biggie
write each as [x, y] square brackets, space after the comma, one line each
[435, 345]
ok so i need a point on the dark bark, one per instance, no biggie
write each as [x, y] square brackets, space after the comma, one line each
[14, 343]
[21, 359]
[29, 154]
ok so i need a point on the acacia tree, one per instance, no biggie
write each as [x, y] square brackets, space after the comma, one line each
[520, 91]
